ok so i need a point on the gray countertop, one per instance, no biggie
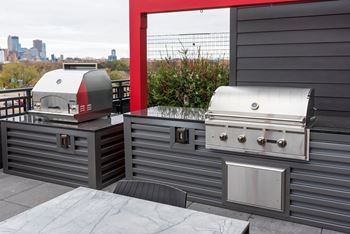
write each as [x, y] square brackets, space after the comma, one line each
[337, 124]
[85, 210]
[175, 113]
[92, 126]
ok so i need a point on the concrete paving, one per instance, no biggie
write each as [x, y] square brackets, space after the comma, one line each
[18, 194]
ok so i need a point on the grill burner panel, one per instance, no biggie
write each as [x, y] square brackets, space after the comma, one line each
[239, 120]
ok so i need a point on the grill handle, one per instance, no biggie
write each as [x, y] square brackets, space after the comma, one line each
[211, 116]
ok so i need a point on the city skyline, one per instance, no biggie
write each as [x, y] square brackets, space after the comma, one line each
[16, 52]
[68, 28]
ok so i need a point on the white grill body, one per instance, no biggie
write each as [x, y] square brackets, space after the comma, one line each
[75, 94]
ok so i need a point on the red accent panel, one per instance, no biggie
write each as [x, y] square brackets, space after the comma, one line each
[138, 35]
[82, 96]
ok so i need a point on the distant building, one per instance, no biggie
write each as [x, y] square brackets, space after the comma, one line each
[38, 44]
[2, 56]
[26, 54]
[13, 44]
[41, 49]
[35, 53]
[53, 58]
[6, 52]
[12, 56]
[61, 57]
[21, 52]
[113, 56]
[43, 52]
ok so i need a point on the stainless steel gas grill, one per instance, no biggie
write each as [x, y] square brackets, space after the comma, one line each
[271, 121]
[76, 93]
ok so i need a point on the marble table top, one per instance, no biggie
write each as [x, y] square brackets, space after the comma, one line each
[86, 210]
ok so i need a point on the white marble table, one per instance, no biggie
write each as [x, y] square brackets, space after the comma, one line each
[85, 210]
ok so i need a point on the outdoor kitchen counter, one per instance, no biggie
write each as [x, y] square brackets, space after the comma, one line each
[173, 113]
[89, 154]
[323, 123]
[92, 126]
[314, 192]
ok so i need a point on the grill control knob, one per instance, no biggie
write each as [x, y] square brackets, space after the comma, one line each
[261, 141]
[282, 143]
[241, 139]
[223, 136]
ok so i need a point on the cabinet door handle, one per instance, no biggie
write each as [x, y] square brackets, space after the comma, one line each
[65, 141]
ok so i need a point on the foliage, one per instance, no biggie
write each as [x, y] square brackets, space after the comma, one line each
[43, 67]
[119, 65]
[118, 75]
[17, 75]
[185, 82]
[25, 74]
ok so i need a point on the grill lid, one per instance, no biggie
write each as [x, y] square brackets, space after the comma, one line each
[264, 103]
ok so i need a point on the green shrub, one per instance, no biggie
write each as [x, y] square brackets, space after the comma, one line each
[185, 82]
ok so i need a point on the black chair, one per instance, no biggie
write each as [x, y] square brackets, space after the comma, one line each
[152, 192]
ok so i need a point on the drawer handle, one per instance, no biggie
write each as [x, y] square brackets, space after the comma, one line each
[65, 141]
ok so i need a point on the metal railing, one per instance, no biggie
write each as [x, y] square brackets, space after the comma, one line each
[14, 102]
[121, 96]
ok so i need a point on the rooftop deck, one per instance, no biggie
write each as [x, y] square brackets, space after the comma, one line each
[18, 194]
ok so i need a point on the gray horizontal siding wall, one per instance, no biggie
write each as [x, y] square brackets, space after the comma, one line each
[296, 45]
[317, 192]
[320, 190]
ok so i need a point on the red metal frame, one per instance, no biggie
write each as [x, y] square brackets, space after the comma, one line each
[138, 35]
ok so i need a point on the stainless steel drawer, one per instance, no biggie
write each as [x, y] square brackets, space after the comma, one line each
[256, 185]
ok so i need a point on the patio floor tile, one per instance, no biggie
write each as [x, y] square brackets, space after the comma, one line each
[325, 231]
[11, 185]
[264, 225]
[9, 209]
[219, 211]
[39, 194]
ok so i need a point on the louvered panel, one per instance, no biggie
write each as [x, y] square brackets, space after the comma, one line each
[320, 190]
[112, 156]
[34, 152]
[154, 159]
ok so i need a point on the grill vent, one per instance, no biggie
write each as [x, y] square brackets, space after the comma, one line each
[112, 156]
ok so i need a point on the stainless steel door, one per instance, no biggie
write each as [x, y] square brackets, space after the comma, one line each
[256, 185]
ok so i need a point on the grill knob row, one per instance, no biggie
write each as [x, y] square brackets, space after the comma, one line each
[223, 136]
[241, 139]
[260, 140]
[282, 143]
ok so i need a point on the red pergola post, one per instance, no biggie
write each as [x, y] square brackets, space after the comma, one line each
[138, 35]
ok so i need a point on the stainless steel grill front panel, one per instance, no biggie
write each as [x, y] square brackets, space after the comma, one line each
[256, 185]
[259, 120]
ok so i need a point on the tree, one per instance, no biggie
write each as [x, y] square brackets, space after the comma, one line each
[17, 75]
[118, 75]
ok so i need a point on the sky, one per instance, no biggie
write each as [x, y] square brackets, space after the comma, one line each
[90, 28]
